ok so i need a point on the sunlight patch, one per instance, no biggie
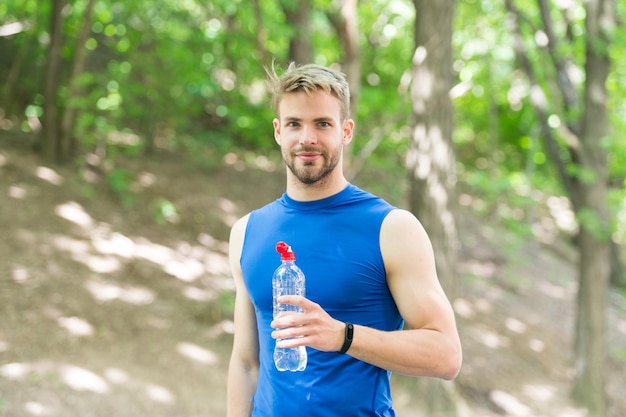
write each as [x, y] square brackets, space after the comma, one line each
[198, 294]
[485, 269]
[493, 340]
[483, 306]
[15, 370]
[186, 270]
[100, 264]
[228, 326]
[562, 213]
[621, 326]
[509, 403]
[147, 179]
[218, 329]
[76, 326]
[81, 379]
[116, 375]
[116, 244]
[17, 192]
[540, 392]
[74, 213]
[70, 245]
[36, 408]
[217, 264]
[537, 345]
[197, 353]
[160, 394]
[153, 252]
[20, 274]
[80, 253]
[515, 325]
[463, 308]
[49, 175]
[106, 291]
[551, 290]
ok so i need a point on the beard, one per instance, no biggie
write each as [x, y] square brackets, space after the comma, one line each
[308, 172]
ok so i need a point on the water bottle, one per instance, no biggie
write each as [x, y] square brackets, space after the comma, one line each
[288, 279]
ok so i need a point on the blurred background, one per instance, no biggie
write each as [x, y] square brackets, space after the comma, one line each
[133, 134]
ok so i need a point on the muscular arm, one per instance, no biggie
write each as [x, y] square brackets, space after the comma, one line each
[429, 347]
[244, 360]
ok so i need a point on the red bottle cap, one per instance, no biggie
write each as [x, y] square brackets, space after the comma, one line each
[286, 254]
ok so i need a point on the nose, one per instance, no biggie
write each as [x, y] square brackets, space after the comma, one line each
[307, 136]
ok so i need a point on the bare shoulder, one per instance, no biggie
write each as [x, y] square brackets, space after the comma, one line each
[238, 229]
[405, 246]
[401, 227]
[235, 243]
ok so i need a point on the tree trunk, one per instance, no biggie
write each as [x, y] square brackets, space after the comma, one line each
[67, 142]
[298, 16]
[347, 29]
[261, 33]
[585, 149]
[345, 22]
[591, 335]
[15, 69]
[617, 275]
[431, 161]
[50, 148]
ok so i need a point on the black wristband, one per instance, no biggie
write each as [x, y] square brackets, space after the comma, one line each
[347, 341]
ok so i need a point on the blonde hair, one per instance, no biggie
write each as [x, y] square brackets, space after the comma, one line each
[309, 78]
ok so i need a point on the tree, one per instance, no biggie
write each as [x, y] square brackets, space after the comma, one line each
[298, 16]
[593, 240]
[584, 174]
[50, 147]
[66, 141]
[345, 22]
[430, 159]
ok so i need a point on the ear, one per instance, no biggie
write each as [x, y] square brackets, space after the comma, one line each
[348, 130]
[276, 124]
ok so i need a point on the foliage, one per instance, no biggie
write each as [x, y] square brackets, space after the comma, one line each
[120, 182]
[188, 76]
[165, 212]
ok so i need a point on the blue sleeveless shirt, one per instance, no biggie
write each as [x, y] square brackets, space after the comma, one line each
[336, 242]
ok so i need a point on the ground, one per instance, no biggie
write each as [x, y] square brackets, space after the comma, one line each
[118, 303]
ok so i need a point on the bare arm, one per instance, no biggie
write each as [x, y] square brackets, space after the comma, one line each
[431, 345]
[244, 360]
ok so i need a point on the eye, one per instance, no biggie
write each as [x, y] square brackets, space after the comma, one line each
[324, 124]
[293, 124]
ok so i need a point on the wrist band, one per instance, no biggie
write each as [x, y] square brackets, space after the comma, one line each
[347, 341]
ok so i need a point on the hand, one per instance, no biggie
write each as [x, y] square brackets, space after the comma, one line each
[314, 328]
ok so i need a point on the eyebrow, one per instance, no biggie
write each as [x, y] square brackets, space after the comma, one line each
[317, 119]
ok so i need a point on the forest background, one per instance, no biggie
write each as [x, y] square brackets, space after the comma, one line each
[154, 121]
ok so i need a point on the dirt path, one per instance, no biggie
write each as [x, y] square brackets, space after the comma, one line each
[106, 312]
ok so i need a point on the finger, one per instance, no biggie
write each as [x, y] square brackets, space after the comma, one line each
[288, 320]
[288, 333]
[296, 300]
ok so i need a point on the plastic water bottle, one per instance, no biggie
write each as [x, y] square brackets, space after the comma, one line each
[288, 279]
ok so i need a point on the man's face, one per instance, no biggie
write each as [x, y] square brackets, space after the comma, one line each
[311, 134]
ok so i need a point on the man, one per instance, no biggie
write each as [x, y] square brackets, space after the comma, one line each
[369, 269]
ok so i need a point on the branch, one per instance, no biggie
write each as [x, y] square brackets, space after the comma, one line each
[565, 84]
[540, 103]
[377, 136]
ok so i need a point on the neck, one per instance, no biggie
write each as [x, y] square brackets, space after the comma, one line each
[326, 187]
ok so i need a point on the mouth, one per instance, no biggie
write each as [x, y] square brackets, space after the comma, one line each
[308, 156]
